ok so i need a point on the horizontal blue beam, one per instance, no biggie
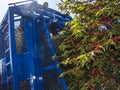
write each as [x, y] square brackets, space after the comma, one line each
[52, 67]
[36, 10]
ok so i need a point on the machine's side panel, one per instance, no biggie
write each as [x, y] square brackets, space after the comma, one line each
[26, 48]
[51, 74]
[12, 48]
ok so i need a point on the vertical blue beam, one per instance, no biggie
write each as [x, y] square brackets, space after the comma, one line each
[32, 59]
[2, 61]
[29, 55]
[12, 46]
[38, 66]
[54, 52]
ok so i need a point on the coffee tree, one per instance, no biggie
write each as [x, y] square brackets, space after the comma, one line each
[89, 49]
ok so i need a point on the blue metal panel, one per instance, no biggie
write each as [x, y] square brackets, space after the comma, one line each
[29, 55]
[28, 65]
[37, 59]
[54, 53]
[12, 44]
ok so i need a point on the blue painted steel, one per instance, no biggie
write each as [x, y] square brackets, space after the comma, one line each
[29, 54]
[13, 57]
[54, 53]
[28, 66]
[38, 66]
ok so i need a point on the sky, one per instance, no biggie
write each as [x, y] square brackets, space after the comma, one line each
[4, 5]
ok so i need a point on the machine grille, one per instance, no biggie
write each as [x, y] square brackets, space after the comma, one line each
[20, 40]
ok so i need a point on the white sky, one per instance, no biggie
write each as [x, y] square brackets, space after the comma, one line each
[4, 5]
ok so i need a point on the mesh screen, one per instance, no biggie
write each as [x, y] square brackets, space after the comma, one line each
[20, 40]
[52, 81]
[50, 78]
[25, 85]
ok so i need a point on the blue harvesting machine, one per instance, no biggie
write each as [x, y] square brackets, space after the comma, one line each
[26, 47]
